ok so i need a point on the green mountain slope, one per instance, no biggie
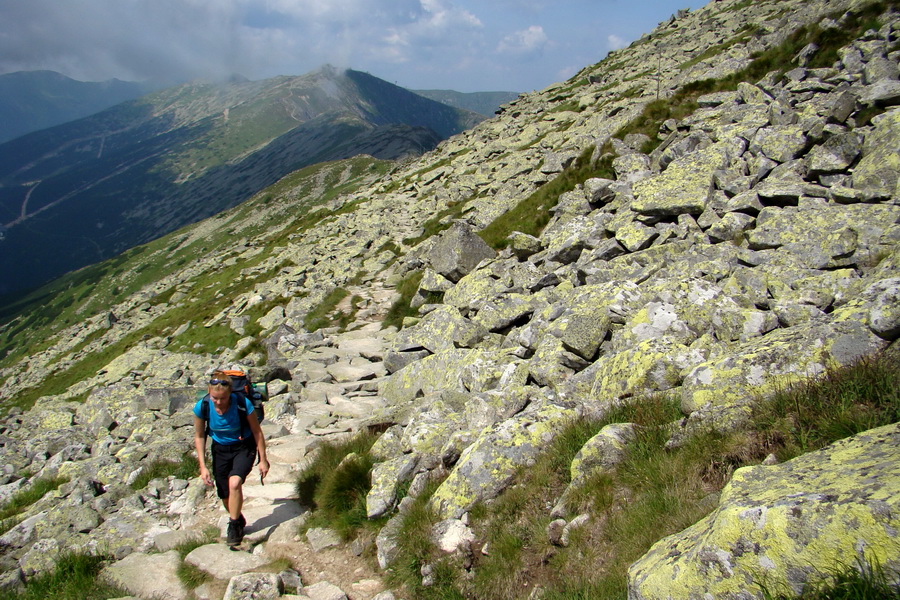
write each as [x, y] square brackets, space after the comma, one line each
[87, 190]
[33, 100]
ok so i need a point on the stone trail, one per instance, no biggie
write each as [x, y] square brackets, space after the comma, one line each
[341, 373]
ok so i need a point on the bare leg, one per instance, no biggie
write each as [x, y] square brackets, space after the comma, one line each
[235, 500]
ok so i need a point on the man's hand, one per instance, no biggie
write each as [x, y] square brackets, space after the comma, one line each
[204, 476]
[263, 469]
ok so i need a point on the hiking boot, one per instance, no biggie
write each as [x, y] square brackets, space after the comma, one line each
[242, 521]
[235, 533]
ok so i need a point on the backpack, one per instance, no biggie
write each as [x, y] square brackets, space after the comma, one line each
[242, 387]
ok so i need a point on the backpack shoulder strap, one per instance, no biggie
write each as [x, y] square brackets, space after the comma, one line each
[241, 401]
[204, 411]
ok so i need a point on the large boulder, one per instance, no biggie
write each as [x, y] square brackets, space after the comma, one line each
[762, 365]
[488, 465]
[682, 188]
[785, 525]
[458, 251]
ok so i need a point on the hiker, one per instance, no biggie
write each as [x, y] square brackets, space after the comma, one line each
[236, 441]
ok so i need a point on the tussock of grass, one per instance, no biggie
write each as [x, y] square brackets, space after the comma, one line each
[417, 550]
[401, 308]
[532, 214]
[844, 402]
[865, 581]
[75, 578]
[25, 498]
[188, 574]
[188, 468]
[335, 485]
[322, 315]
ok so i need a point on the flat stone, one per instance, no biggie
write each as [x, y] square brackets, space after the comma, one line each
[221, 562]
[149, 575]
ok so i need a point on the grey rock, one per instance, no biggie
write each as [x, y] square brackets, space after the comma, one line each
[320, 538]
[221, 562]
[254, 586]
[324, 591]
[458, 251]
[148, 576]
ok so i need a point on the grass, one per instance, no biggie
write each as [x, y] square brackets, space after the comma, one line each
[812, 414]
[532, 214]
[22, 499]
[74, 578]
[401, 308]
[335, 484]
[323, 315]
[160, 469]
[670, 488]
[863, 582]
[188, 574]
[416, 549]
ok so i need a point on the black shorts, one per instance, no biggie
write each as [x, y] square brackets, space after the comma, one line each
[235, 459]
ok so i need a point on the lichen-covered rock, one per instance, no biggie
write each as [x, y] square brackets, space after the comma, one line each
[254, 586]
[458, 251]
[441, 329]
[386, 477]
[785, 525]
[780, 143]
[505, 310]
[652, 365]
[823, 236]
[683, 187]
[761, 365]
[487, 466]
[602, 452]
[877, 170]
[443, 371]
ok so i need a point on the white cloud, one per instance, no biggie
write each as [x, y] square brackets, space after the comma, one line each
[615, 42]
[524, 42]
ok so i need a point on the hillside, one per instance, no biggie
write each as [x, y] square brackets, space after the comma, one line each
[78, 193]
[33, 100]
[636, 336]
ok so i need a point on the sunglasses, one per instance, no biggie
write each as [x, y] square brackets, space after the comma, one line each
[222, 382]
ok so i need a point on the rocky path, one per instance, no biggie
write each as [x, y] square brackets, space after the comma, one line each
[340, 376]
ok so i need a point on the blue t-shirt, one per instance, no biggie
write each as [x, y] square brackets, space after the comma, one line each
[226, 428]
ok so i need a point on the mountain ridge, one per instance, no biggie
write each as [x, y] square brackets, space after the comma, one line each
[104, 183]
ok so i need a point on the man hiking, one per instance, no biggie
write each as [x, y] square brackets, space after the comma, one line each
[237, 438]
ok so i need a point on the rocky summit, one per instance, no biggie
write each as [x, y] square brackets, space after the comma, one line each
[712, 214]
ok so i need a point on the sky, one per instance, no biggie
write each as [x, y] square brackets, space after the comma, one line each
[464, 45]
